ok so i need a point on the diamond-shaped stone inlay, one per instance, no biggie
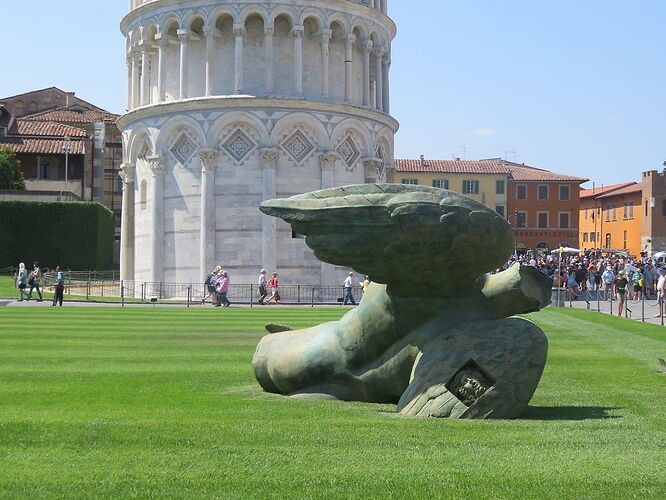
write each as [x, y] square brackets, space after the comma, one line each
[298, 146]
[183, 149]
[349, 152]
[239, 145]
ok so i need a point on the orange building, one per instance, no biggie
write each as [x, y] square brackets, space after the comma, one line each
[543, 207]
[629, 217]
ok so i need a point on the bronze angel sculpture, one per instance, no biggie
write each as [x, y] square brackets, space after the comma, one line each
[434, 333]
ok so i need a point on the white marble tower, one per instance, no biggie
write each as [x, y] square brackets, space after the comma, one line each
[234, 102]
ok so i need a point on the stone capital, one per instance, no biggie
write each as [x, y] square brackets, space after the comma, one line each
[126, 173]
[326, 35]
[298, 31]
[269, 31]
[184, 36]
[379, 51]
[161, 39]
[156, 164]
[350, 40]
[366, 46]
[373, 170]
[239, 30]
[269, 157]
[208, 159]
[328, 160]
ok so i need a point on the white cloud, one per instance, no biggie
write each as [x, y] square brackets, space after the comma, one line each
[483, 132]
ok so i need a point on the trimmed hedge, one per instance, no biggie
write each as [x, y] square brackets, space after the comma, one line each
[72, 235]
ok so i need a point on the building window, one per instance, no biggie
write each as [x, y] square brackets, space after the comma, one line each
[470, 187]
[625, 239]
[2, 131]
[499, 187]
[521, 191]
[565, 193]
[45, 171]
[500, 210]
[631, 210]
[625, 214]
[564, 220]
[608, 213]
[542, 192]
[521, 219]
[440, 183]
[615, 212]
[542, 220]
[646, 208]
[584, 237]
[592, 237]
[413, 182]
[608, 240]
[663, 208]
[543, 246]
[586, 214]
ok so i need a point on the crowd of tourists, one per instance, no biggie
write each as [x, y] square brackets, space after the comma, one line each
[32, 281]
[620, 276]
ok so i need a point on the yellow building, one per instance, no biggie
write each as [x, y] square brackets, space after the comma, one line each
[484, 181]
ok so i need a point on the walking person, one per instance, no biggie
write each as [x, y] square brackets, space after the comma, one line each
[620, 290]
[222, 290]
[59, 286]
[210, 286]
[22, 281]
[34, 280]
[608, 277]
[263, 293]
[348, 286]
[661, 290]
[275, 290]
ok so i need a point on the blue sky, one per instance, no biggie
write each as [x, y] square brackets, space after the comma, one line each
[572, 86]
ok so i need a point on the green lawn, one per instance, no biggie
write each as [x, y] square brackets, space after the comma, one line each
[158, 402]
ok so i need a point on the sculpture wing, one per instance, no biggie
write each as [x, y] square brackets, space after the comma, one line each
[417, 240]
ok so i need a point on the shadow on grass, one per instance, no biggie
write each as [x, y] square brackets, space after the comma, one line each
[569, 413]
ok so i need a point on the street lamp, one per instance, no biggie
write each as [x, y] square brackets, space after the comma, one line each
[67, 147]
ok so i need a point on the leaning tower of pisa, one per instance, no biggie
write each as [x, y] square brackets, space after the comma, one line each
[231, 102]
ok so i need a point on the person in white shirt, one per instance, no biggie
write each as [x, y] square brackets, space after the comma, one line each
[661, 291]
[608, 277]
[349, 297]
[263, 293]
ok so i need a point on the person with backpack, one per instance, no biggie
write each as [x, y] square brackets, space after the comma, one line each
[59, 286]
[210, 284]
[22, 281]
[34, 279]
[263, 293]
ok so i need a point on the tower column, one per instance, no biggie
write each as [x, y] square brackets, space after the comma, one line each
[367, 48]
[156, 164]
[128, 61]
[210, 58]
[325, 62]
[297, 33]
[239, 31]
[208, 159]
[161, 67]
[269, 158]
[135, 79]
[379, 75]
[327, 162]
[127, 173]
[387, 96]
[145, 73]
[184, 38]
[349, 55]
[268, 45]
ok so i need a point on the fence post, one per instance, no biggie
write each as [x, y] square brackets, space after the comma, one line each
[598, 302]
[251, 295]
[299, 294]
[312, 297]
[161, 286]
[611, 303]
[189, 294]
[122, 293]
[143, 291]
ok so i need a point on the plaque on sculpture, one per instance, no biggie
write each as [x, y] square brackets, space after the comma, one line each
[434, 333]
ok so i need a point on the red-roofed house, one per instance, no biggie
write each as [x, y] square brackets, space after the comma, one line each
[541, 205]
[630, 216]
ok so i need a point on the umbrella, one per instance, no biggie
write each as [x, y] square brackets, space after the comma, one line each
[566, 250]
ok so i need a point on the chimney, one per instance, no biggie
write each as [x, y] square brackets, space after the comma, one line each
[67, 96]
[423, 162]
[456, 158]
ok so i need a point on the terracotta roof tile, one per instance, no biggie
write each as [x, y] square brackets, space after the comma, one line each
[42, 145]
[526, 173]
[452, 166]
[593, 193]
[74, 114]
[44, 128]
[634, 188]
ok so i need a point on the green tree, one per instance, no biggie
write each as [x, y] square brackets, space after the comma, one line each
[11, 176]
